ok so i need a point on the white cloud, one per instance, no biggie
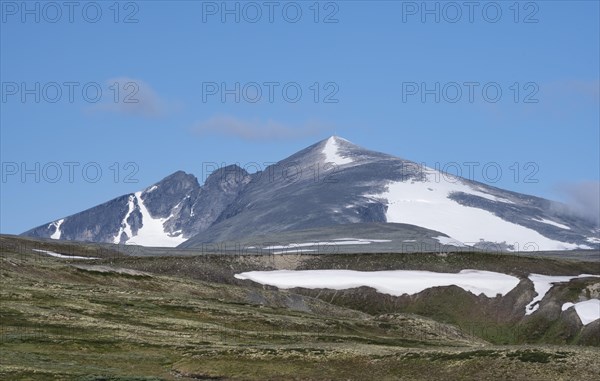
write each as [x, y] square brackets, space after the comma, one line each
[133, 97]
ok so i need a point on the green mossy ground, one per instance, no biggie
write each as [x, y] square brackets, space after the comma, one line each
[60, 322]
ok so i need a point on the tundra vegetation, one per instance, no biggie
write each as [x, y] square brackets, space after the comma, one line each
[122, 317]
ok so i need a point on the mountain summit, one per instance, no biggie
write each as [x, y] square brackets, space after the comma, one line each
[330, 183]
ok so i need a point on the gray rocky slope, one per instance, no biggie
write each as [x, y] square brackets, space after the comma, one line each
[330, 183]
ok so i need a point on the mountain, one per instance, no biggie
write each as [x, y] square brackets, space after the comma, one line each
[328, 184]
[164, 214]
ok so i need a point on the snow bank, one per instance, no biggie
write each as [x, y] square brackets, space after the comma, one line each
[338, 241]
[396, 282]
[57, 255]
[587, 311]
[542, 284]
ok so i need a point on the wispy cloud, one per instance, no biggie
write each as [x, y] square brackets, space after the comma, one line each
[582, 200]
[585, 89]
[257, 129]
[132, 97]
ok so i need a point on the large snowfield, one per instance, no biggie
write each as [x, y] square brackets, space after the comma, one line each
[396, 282]
[426, 204]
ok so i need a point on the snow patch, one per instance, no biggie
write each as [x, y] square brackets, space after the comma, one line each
[449, 241]
[57, 233]
[362, 239]
[331, 152]
[593, 239]
[152, 188]
[63, 256]
[292, 251]
[549, 222]
[587, 311]
[339, 241]
[477, 192]
[543, 283]
[152, 232]
[396, 282]
[125, 227]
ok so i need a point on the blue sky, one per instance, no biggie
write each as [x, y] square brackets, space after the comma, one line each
[372, 61]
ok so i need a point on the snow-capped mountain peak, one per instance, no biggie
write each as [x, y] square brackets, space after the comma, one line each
[330, 183]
